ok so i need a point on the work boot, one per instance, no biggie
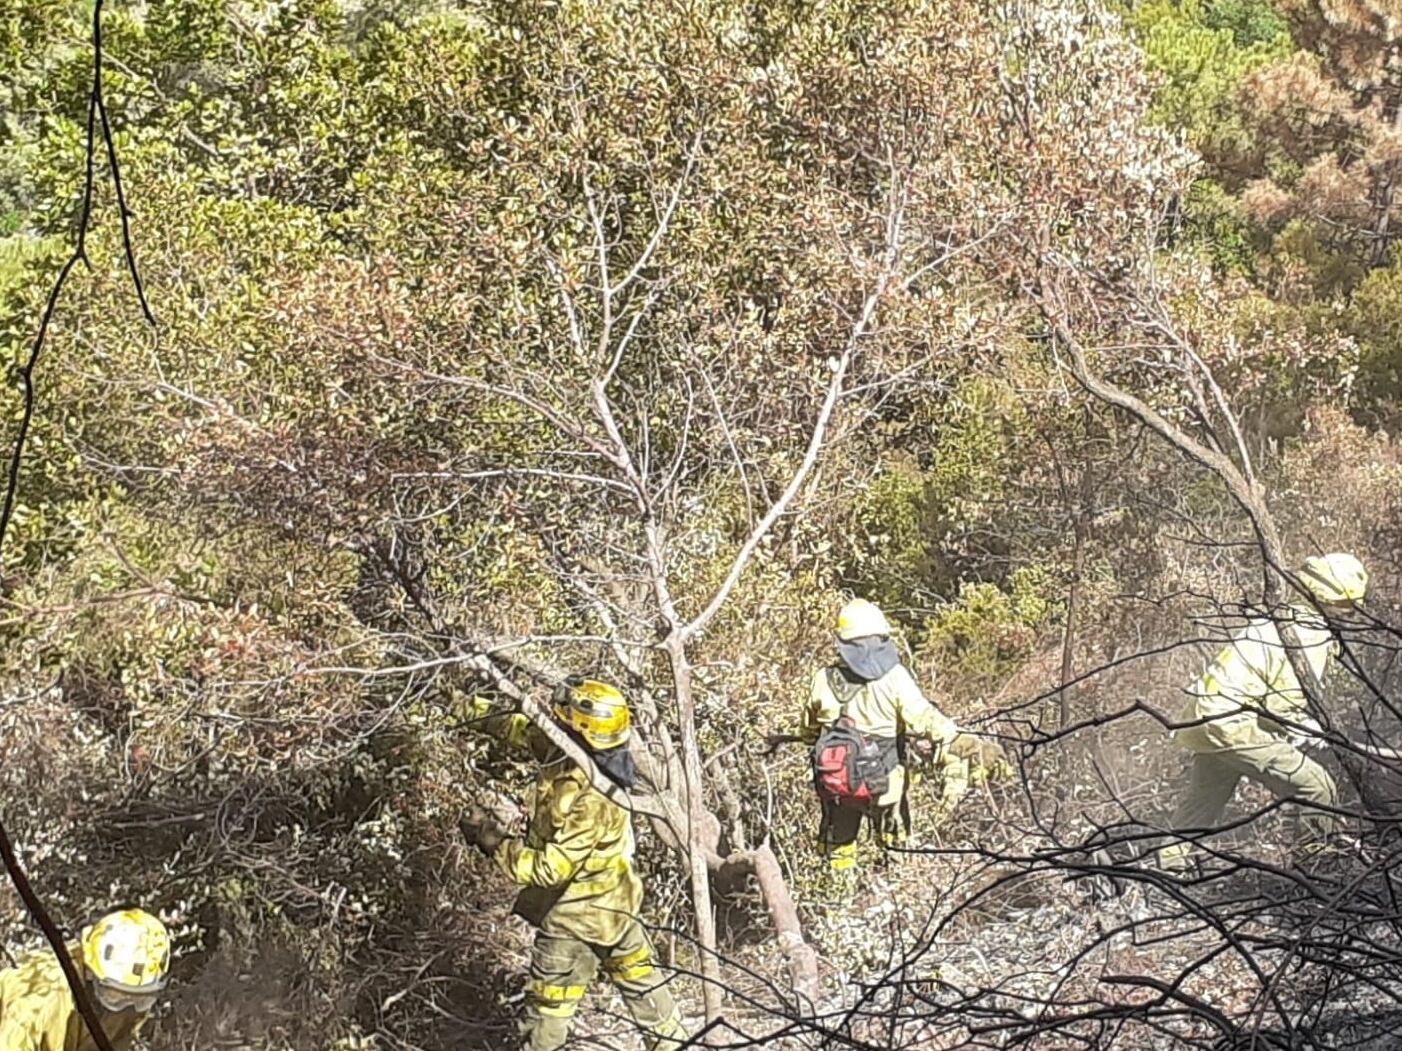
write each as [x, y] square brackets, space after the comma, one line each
[1329, 856]
[892, 840]
[841, 873]
[1177, 859]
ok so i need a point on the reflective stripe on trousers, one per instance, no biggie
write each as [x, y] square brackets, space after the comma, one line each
[633, 967]
[556, 1001]
[561, 969]
[841, 826]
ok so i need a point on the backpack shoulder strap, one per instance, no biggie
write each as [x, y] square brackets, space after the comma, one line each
[843, 688]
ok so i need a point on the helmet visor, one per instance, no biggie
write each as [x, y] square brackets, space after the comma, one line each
[118, 1000]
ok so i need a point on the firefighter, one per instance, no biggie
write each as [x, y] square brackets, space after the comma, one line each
[869, 691]
[123, 959]
[575, 869]
[1250, 718]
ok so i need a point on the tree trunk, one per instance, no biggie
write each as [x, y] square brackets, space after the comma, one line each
[1073, 602]
[693, 834]
[1386, 193]
[1247, 492]
[802, 960]
[698, 821]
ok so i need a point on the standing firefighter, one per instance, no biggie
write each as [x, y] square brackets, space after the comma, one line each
[123, 958]
[860, 711]
[1243, 707]
[575, 868]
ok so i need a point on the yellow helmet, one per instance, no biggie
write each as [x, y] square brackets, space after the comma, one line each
[595, 710]
[858, 618]
[1335, 578]
[127, 954]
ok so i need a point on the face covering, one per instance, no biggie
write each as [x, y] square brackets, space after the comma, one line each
[618, 766]
[869, 657]
[616, 763]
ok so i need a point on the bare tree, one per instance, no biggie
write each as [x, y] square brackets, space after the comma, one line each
[597, 427]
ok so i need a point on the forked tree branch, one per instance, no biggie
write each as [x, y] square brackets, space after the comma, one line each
[818, 436]
[1245, 491]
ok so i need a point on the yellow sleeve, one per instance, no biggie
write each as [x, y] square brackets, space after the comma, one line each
[513, 729]
[555, 863]
[1286, 698]
[16, 1036]
[35, 1007]
[1319, 652]
[1247, 669]
[920, 717]
[53, 1023]
[822, 708]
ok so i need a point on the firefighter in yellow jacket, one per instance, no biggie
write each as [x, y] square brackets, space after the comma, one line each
[1250, 718]
[872, 688]
[575, 868]
[123, 958]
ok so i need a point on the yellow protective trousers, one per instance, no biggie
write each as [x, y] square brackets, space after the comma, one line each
[840, 827]
[1276, 764]
[560, 973]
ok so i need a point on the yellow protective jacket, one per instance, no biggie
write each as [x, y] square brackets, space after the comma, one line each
[37, 1012]
[1250, 681]
[575, 864]
[888, 707]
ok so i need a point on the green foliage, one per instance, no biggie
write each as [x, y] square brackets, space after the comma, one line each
[983, 635]
[1281, 103]
[369, 422]
[969, 447]
[1374, 317]
[1252, 22]
[21, 261]
[1202, 51]
[908, 541]
[1303, 255]
[1214, 221]
[892, 544]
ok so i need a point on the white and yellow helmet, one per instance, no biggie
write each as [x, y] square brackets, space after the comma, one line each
[860, 618]
[597, 711]
[127, 955]
[1336, 578]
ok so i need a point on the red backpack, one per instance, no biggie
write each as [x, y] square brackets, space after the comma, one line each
[851, 768]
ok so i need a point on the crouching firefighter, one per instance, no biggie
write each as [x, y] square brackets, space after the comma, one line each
[123, 959]
[860, 712]
[1248, 717]
[575, 868]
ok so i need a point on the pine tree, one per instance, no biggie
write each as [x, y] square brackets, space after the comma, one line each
[1333, 115]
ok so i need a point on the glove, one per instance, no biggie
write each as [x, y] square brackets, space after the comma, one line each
[999, 771]
[987, 760]
[481, 830]
[469, 709]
